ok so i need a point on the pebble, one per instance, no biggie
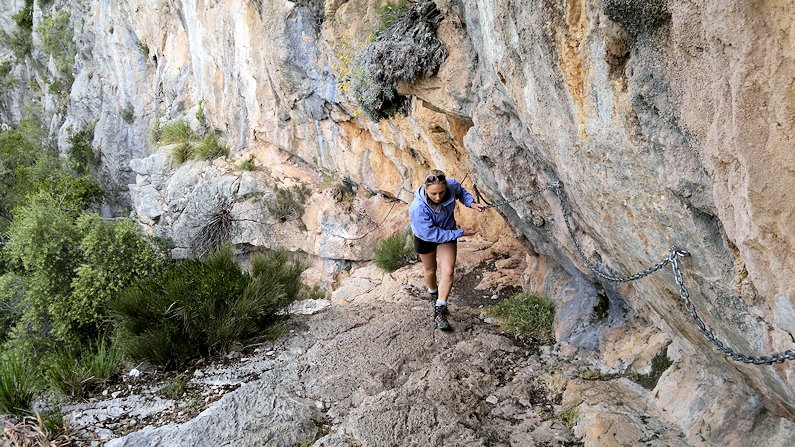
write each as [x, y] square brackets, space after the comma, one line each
[104, 392]
[134, 373]
[494, 297]
[198, 373]
[492, 399]
[319, 404]
[489, 320]
[270, 353]
[115, 394]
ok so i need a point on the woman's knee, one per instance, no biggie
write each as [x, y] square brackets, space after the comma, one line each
[447, 270]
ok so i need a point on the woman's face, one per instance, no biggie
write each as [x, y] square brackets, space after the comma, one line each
[436, 192]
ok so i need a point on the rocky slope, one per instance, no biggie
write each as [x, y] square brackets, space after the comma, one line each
[668, 123]
[369, 369]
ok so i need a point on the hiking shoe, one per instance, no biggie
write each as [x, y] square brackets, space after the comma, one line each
[434, 295]
[440, 317]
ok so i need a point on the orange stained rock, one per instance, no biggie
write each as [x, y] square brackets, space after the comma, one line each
[571, 63]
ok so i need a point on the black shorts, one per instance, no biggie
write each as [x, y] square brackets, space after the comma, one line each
[425, 247]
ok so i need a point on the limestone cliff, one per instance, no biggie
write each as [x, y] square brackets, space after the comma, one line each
[668, 123]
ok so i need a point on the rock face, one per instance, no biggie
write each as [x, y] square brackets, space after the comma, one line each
[668, 124]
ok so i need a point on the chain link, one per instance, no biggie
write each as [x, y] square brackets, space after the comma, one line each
[673, 259]
[709, 334]
[495, 205]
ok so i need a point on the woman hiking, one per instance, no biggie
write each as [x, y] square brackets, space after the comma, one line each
[435, 233]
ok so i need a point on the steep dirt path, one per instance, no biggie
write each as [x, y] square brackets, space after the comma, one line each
[370, 370]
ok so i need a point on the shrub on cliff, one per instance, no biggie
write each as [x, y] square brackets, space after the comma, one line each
[203, 307]
[287, 203]
[71, 374]
[405, 48]
[394, 252]
[21, 39]
[176, 132]
[18, 383]
[20, 150]
[189, 144]
[211, 147]
[528, 315]
[57, 41]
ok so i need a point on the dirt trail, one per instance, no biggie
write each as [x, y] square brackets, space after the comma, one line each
[370, 370]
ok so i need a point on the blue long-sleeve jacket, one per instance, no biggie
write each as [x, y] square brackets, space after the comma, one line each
[440, 227]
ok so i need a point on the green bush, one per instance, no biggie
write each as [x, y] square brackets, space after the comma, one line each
[21, 40]
[20, 150]
[65, 374]
[5, 69]
[114, 255]
[181, 153]
[54, 423]
[248, 165]
[24, 17]
[12, 292]
[203, 307]
[200, 116]
[190, 147]
[393, 252]
[568, 415]
[288, 203]
[316, 292]
[175, 388]
[211, 147]
[142, 47]
[18, 384]
[389, 13]
[101, 360]
[81, 152]
[128, 113]
[72, 266]
[44, 242]
[71, 375]
[176, 132]
[528, 315]
[57, 41]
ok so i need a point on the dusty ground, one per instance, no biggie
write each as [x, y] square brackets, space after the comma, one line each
[370, 370]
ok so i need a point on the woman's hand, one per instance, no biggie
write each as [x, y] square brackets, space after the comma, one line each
[468, 232]
[478, 206]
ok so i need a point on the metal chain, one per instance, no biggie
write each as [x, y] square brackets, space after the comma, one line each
[394, 202]
[673, 259]
[495, 205]
[557, 186]
[709, 334]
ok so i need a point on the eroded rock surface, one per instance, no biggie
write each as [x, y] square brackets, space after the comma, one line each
[372, 371]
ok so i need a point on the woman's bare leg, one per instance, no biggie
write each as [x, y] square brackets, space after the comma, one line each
[447, 254]
[429, 266]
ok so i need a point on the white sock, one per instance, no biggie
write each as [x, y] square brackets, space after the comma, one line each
[441, 303]
[433, 290]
